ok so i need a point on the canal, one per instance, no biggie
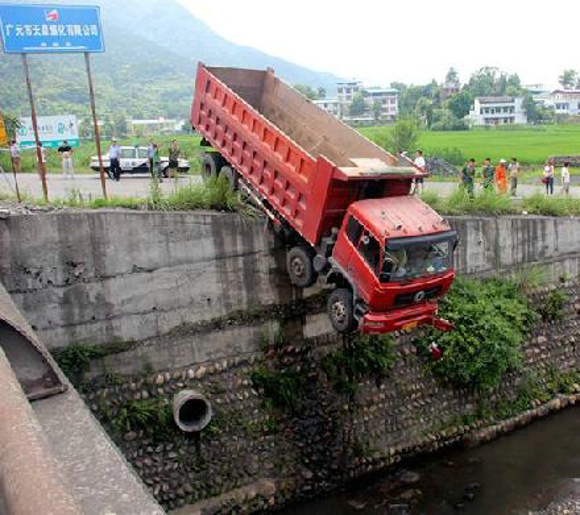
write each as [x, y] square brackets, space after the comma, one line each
[520, 473]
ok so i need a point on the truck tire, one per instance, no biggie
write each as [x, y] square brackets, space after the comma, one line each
[300, 267]
[231, 176]
[211, 165]
[340, 308]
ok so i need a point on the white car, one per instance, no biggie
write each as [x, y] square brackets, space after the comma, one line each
[134, 160]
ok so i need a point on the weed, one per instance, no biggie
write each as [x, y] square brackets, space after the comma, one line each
[362, 357]
[551, 309]
[284, 388]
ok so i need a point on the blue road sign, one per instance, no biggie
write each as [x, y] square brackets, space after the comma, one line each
[50, 29]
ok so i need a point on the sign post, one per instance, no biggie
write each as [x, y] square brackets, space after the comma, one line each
[53, 29]
[96, 123]
[40, 160]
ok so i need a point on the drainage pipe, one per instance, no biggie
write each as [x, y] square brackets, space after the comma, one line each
[191, 411]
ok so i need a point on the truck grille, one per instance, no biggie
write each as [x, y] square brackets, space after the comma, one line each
[405, 299]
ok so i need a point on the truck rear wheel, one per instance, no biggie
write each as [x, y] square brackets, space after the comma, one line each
[341, 310]
[211, 165]
[231, 176]
[300, 267]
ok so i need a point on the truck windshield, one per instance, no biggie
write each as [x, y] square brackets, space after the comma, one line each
[419, 257]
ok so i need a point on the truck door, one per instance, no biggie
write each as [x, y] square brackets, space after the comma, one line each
[364, 265]
[347, 242]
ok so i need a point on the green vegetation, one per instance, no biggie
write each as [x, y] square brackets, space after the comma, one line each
[153, 416]
[403, 136]
[551, 206]
[492, 203]
[363, 356]
[75, 360]
[284, 388]
[491, 318]
[551, 309]
[213, 194]
[531, 145]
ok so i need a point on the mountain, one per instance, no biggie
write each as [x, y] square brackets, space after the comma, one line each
[148, 69]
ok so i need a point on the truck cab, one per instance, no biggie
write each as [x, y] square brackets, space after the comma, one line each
[392, 260]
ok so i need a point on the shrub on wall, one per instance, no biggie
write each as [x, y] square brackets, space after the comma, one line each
[363, 356]
[492, 318]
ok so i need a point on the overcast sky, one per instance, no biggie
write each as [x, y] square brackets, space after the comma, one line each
[411, 41]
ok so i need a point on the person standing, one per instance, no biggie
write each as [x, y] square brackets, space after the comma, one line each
[65, 152]
[43, 157]
[566, 178]
[422, 166]
[174, 153]
[114, 156]
[468, 176]
[156, 160]
[549, 177]
[488, 173]
[501, 177]
[514, 171]
[150, 155]
[15, 156]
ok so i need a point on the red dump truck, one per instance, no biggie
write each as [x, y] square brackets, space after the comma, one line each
[341, 203]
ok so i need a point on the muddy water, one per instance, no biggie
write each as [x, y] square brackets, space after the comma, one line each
[517, 474]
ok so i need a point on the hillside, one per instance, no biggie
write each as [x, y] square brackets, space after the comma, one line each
[147, 70]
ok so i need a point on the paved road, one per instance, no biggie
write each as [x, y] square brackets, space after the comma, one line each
[89, 185]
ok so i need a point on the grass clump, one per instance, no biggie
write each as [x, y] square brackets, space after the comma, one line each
[284, 388]
[361, 357]
[552, 308]
[213, 194]
[486, 202]
[551, 206]
[492, 318]
[75, 360]
[153, 416]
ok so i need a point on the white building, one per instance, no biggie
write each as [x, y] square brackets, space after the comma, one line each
[144, 127]
[388, 98]
[346, 90]
[498, 111]
[566, 101]
[330, 105]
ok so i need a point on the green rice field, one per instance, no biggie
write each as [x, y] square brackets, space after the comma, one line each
[531, 145]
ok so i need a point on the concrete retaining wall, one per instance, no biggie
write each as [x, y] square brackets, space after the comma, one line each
[101, 276]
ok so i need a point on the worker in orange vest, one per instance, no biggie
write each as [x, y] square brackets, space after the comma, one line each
[501, 177]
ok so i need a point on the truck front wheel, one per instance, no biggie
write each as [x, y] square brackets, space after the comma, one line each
[341, 310]
[300, 267]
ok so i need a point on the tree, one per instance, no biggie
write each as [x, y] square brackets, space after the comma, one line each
[377, 109]
[321, 93]
[567, 79]
[460, 104]
[424, 110]
[483, 82]
[536, 112]
[444, 120]
[404, 136]
[307, 91]
[358, 105]
[12, 124]
[452, 77]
